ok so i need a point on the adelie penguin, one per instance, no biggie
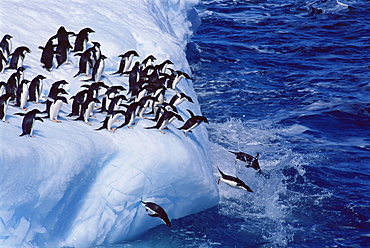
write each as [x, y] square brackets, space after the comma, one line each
[55, 107]
[35, 89]
[28, 121]
[166, 118]
[98, 69]
[249, 160]
[18, 56]
[3, 61]
[6, 45]
[81, 39]
[125, 63]
[47, 55]
[110, 119]
[154, 210]
[22, 94]
[4, 103]
[192, 122]
[233, 181]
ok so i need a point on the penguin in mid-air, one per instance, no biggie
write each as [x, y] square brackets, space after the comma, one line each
[233, 181]
[249, 160]
[81, 39]
[154, 210]
[28, 121]
[125, 63]
[4, 103]
[192, 122]
[18, 56]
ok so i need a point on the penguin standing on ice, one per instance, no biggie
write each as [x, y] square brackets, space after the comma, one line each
[85, 62]
[6, 45]
[81, 39]
[22, 94]
[4, 103]
[130, 114]
[3, 61]
[166, 118]
[18, 56]
[98, 69]
[87, 108]
[125, 63]
[28, 121]
[154, 210]
[55, 107]
[192, 122]
[13, 82]
[110, 119]
[35, 89]
[233, 181]
[47, 55]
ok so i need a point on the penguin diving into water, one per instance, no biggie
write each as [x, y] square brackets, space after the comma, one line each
[249, 160]
[154, 210]
[233, 181]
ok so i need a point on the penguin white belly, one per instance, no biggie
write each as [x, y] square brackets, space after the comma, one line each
[99, 71]
[24, 96]
[89, 111]
[54, 110]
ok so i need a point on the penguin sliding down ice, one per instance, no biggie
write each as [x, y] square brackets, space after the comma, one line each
[154, 210]
[28, 121]
[192, 122]
[233, 181]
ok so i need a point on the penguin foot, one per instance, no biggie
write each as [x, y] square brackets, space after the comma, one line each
[162, 131]
[6, 121]
[57, 121]
[88, 123]
[130, 127]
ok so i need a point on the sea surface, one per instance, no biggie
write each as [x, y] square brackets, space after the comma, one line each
[289, 80]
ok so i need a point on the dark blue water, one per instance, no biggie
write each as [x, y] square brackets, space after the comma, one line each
[290, 80]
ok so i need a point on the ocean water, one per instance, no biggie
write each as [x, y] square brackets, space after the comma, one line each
[289, 80]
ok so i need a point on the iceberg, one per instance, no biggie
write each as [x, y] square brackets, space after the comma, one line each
[72, 185]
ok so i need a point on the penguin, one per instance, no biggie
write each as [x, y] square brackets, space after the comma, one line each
[13, 82]
[147, 62]
[81, 39]
[163, 66]
[53, 92]
[55, 107]
[22, 94]
[130, 114]
[6, 45]
[35, 89]
[110, 119]
[98, 69]
[2, 88]
[62, 52]
[95, 53]
[179, 98]
[134, 80]
[176, 76]
[115, 103]
[4, 103]
[233, 181]
[3, 61]
[85, 62]
[125, 63]
[28, 121]
[62, 36]
[18, 56]
[78, 100]
[154, 210]
[166, 118]
[110, 93]
[192, 122]
[249, 160]
[87, 109]
[47, 55]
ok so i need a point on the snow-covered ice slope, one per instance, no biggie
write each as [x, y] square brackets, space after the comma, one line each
[72, 185]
